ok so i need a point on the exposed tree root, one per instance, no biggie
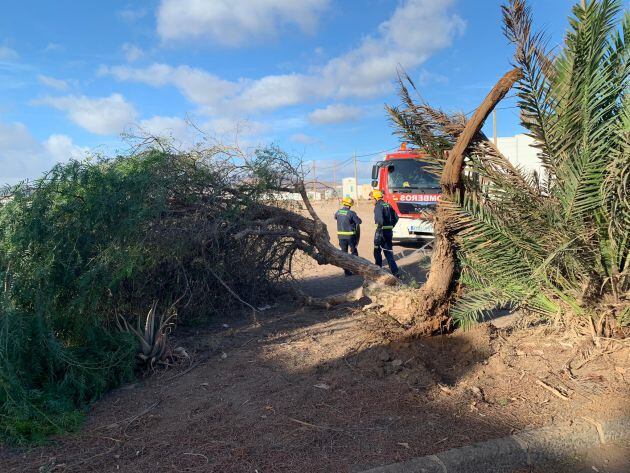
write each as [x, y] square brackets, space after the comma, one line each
[331, 301]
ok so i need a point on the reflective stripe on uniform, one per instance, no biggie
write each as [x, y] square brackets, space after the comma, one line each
[345, 233]
[387, 227]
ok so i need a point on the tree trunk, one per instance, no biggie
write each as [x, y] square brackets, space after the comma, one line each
[435, 295]
[311, 236]
[333, 255]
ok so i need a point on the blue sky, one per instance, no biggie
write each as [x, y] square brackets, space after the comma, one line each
[311, 76]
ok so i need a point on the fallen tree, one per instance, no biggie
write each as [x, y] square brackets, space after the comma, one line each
[311, 236]
[556, 244]
[488, 213]
[91, 247]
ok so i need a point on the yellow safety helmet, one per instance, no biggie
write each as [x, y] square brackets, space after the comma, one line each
[377, 194]
[349, 201]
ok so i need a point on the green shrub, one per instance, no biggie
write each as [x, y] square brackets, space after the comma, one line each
[95, 240]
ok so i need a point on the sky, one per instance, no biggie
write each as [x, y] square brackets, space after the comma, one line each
[311, 76]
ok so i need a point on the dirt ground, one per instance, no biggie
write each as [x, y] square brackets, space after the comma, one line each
[327, 280]
[308, 390]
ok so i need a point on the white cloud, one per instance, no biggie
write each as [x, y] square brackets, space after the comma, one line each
[54, 47]
[234, 22]
[131, 15]
[232, 127]
[273, 92]
[303, 138]
[7, 54]
[132, 52]
[186, 133]
[197, 85]
[173, 128]
[48, 81]
[20, 153]
[335, 113]
[61, 148]
[103, 116]
[22, 156]
[416, 29]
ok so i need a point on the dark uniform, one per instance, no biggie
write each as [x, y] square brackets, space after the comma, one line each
[347, 224]
[385, 219]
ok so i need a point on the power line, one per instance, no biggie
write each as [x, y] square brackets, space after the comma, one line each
[353, 157]
[343, 163]
[497, 108]
[377, 152]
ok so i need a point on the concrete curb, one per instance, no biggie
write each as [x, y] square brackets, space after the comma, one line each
[552, 444]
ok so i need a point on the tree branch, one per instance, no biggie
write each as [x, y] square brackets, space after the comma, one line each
[451, 177]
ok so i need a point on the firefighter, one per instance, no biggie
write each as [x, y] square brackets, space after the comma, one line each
[347, 228]
[385, 218]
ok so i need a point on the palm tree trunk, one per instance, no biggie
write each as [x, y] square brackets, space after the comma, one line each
[436, 292]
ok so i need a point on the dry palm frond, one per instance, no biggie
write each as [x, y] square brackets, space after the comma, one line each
[564, 244]
[558, 242]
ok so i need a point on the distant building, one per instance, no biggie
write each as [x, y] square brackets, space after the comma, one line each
[330, 194]
[364, 191]
[519, 150]
[349, 187]
[314, 195]
[282, 196]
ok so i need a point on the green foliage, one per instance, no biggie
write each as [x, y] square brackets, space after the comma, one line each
[560, 242]
[94, 240]
[561, 245]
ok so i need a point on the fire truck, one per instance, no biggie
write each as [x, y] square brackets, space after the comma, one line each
[411, 190]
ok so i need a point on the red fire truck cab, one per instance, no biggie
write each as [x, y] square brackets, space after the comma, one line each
[410, 189]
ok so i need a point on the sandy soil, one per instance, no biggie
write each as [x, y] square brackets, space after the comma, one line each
[322, 391]
[305, 390]
[327, 280]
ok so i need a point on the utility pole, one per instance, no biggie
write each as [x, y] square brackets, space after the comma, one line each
[314, 178]
[334, 176]
[356, 177]
[494, 125]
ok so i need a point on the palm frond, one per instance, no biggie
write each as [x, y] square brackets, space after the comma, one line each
[560, 241]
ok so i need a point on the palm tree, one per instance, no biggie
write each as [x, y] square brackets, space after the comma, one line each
[556, 243]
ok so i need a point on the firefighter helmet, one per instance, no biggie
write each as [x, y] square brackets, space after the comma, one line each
[349, 201]
[377, 194]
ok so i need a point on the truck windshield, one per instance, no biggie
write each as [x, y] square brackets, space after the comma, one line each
[409, 174]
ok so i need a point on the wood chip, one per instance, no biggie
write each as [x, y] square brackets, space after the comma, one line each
[551, 389]
[308, 424]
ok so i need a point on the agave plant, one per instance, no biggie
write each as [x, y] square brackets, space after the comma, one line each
[151, 333]
[557, 243]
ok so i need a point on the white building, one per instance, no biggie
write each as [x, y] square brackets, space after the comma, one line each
[364, 191]
[349, 187]
[519, 150]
